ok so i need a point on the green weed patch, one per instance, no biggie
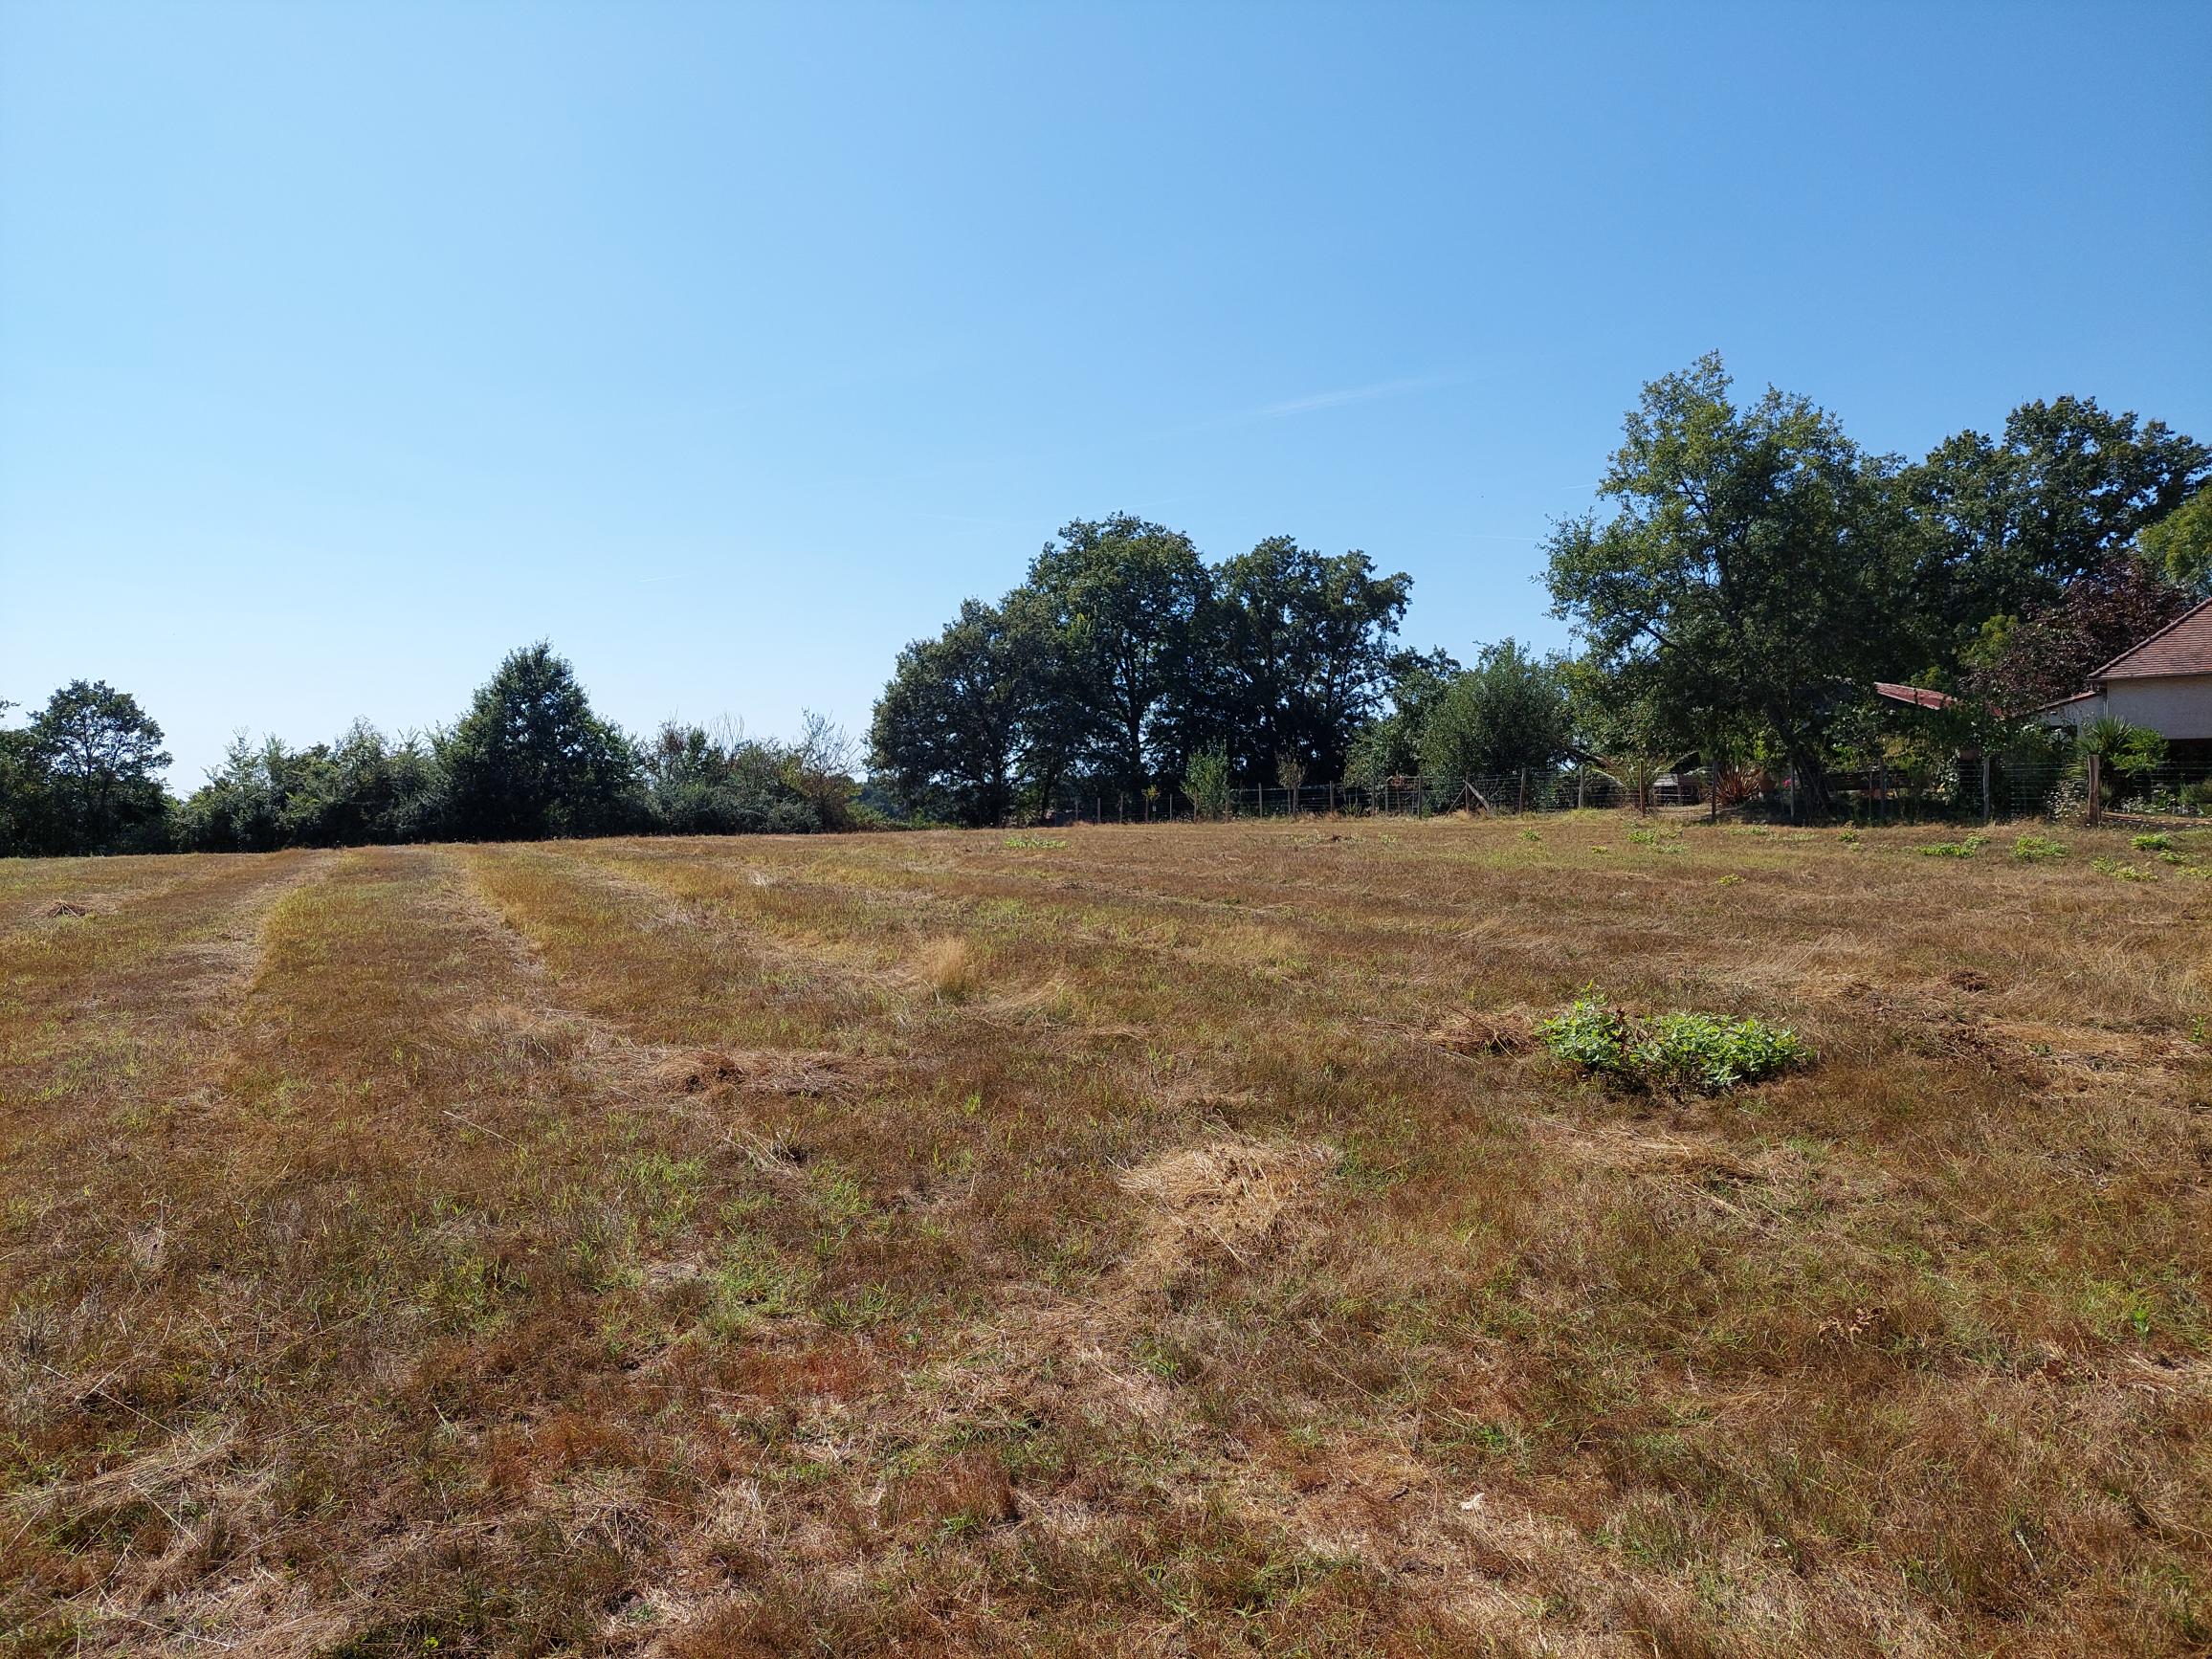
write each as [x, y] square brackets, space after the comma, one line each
[1678, 1052]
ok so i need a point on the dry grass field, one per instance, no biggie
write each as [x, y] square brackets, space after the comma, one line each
[1103, 1241]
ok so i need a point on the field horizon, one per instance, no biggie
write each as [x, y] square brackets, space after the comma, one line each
[1169, 1239]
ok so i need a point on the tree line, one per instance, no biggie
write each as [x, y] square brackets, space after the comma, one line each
[529, 759]
[1752, 575]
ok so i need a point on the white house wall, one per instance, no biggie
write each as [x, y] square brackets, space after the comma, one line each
[2178, 707]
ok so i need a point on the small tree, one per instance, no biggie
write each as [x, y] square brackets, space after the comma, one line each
[88, 762]
[1291, 773]
[1507, 712]
[1206, 780]
[530, 758]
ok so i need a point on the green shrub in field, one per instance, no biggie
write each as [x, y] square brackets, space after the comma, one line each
[1679, 1052]
[1699, 1052]
[2035, 848]
[1847, 837]
[2119, 872]
[1965, 849]
[1590, 1035]
[2157, 841]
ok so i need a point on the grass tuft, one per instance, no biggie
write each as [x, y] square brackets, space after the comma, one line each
[949, 968]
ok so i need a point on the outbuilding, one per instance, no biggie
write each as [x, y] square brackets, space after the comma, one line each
[2163, 684]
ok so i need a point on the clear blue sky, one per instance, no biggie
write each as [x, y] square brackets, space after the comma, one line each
[345, 346]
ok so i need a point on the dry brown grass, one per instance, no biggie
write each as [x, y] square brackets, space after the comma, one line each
[684, 1248]
[949, 968]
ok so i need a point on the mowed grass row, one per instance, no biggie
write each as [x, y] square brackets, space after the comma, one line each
[1102, 1241]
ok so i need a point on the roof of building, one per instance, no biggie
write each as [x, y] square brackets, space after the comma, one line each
[2061, 702]
[2184, 646]
[1919, 697]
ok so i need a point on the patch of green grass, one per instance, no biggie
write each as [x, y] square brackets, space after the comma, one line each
[1679, 1052]
[1965, 849]
[2032, 848]
[2156, 841]
[1036, 841]
[2119, 872]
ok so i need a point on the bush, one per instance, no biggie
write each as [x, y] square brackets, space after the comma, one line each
[2119, 872]
[1965, 849]
[1206, 780]
[1699, 1052]
[1679, 1051]
[2156, 842]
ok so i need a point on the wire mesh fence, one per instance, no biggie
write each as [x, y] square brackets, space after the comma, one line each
[1948, 792]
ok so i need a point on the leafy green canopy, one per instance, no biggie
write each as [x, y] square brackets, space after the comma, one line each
[531, 760]
[1122, 658]
[1750, 565]
[80, 776]
[1508, 711]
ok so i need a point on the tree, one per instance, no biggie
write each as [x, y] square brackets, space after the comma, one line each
[722, 782]
[2008, 524]
[2018, 665]
[22, 792]
[1507, 712]
[85, 768]
[1206, 780]
[1122, 597]
[1389, 745]
[949, 729]
[2179, 545]
[1299, 646]
[1749, 568]
[531, 760]
[1615, 718]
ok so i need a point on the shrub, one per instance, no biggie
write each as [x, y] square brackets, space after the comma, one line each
[2119, 872]
[1206, 780]
[1677, 1051]
[1699, 1052]
[2157, 841]
[1965, 849]
[2035, 848]
[1589, 1035]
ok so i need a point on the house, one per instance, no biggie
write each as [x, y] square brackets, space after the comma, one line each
[2164, 684]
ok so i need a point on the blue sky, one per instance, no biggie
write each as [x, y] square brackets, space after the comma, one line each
[345, 346]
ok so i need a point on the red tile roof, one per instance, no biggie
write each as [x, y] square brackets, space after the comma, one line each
[1919, 697]
[2184, 646]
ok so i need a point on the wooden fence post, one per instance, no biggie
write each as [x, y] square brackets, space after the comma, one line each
[2096, 787]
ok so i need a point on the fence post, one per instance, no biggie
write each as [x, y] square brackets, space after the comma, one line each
[2096, 787]
[1988, 805]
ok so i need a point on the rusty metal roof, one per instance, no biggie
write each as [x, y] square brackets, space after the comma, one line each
[2184, 646]
[1919, 697]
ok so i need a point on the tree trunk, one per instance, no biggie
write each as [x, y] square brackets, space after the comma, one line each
[1812, 784]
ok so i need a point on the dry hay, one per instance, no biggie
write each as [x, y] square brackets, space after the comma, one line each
[948, 966]
[750, 1071]
[1232, 1196]
[1505, 1030]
